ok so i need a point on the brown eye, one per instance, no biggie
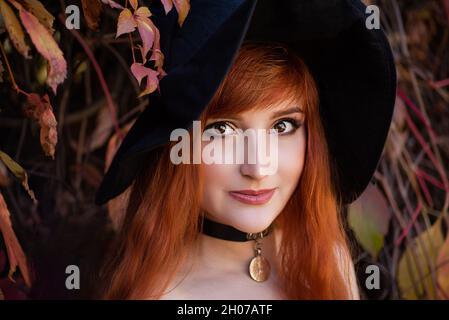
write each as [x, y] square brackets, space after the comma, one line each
[219, 129]
[286, 126]
[280, 126]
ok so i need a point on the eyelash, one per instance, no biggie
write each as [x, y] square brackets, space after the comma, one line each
[295, 123]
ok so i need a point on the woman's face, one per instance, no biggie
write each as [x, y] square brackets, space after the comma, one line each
[243, 194]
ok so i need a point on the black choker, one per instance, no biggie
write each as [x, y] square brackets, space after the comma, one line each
[259, 268]
[226, 232]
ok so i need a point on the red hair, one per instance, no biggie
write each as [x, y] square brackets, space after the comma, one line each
[163, 214]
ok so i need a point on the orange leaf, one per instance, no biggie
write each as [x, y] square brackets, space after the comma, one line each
[183, 8]
[92, 10]
[47, 47]
[18, 172]
[134, 4]
[15, 253]
[41, 110]
[126, 23]
[38, 10]
[14, 28]
[143, 12]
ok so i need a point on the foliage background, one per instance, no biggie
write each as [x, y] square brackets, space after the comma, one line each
[399, 224]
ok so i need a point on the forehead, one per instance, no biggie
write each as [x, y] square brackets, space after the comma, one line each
[277, 108]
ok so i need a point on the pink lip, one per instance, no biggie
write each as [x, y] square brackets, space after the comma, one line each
[253, 196]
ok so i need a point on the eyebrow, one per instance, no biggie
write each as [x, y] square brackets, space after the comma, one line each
[280, 113]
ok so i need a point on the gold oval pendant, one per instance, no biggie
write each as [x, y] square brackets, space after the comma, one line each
[259, 268]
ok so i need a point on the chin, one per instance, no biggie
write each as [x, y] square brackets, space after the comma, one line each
[252, 220]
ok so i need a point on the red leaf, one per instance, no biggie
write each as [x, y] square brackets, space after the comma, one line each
[92, 10]
[15, 253]
[47, 47]
[41, 110]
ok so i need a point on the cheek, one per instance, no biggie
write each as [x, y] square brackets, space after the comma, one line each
[217, 179]
[292, 153]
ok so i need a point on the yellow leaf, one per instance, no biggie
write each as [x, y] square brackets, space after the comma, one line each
[443, 270]
[183, 8]
[14, 28]
[18, 172]
[417, 264]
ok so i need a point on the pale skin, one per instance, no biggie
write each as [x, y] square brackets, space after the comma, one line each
[218, 269]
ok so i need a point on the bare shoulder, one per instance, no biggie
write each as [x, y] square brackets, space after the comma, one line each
[346, 267]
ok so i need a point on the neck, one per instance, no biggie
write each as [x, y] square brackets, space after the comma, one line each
[232, 256]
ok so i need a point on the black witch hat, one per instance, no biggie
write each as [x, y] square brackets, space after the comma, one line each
[352, 65]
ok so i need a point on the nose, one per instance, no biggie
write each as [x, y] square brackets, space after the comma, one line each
[253, 171]
[255, 159]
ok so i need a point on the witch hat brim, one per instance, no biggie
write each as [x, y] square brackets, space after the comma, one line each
[352, 65]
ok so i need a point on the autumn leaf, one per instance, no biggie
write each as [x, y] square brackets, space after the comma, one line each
[442, 268]
[103, 129]
[14, 28]
[37, 9]
[126, 23]
[134, 4]
[117, 206]
[182, 7]
[16, 255]
[168, 5]
[157, 56]
[146, 31]
[47, 47]
[140, 72]
[4, 180]
[18, 172]
[369, 217]
[112, 4]
[92, 10]
[41, 110]
[417, 262]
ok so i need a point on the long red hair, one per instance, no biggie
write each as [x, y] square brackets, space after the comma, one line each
[163, 213]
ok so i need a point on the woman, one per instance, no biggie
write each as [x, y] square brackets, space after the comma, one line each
[233, 231]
